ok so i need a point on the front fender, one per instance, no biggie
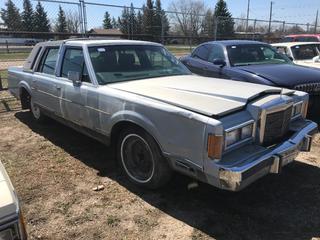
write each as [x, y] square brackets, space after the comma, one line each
[138, 119]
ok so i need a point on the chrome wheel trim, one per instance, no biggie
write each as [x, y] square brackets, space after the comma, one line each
[123, 160]
[35, 110]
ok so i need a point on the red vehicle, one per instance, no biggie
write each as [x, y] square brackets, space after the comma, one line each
[302, 38]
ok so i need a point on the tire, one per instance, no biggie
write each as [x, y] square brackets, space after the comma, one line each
[36, 112]
[140, 159]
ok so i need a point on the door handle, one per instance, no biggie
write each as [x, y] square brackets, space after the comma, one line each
[58, 87]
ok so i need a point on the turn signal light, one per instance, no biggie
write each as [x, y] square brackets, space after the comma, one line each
[215, 144]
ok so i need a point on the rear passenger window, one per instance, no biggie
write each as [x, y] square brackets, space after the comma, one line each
[48, 61]
[74, 61]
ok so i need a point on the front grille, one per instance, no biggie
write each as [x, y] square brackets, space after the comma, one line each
[311, 88]
[276, 126]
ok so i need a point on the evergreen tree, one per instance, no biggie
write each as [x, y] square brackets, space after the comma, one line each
[41, 21]
[11, 17]
[114, 23]
[61, 24]
[139, 29]
[107, 21]
[132, 21]
[225, 21]
[124, 21]
[27, 16]
[148, 18]
[161, 22]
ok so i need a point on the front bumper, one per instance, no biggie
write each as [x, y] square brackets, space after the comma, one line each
[235, 178]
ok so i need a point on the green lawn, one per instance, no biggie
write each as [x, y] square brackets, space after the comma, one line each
[13, 56]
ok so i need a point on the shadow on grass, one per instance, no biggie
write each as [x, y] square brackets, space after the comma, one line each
[284, 206]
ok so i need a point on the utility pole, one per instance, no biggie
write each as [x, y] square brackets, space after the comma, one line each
[269, 29]
[316, 23]
[248, 10]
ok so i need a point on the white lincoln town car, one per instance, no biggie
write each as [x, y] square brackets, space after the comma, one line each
[159, 117]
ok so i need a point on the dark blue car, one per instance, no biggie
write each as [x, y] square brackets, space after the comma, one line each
[255, 62]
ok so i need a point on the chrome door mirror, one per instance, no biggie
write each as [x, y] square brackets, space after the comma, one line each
[75, 78]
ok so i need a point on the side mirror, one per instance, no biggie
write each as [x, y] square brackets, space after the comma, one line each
[75, 78]
[291, 58]
[219, 61]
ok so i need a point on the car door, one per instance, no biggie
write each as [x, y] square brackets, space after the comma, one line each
[79, 102]
[197, 62]
[44, 84]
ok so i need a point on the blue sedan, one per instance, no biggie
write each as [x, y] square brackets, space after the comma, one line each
[255, 62]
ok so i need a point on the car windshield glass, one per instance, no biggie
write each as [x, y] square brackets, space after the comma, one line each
[304, 52]
[130, 62]
[242, 55]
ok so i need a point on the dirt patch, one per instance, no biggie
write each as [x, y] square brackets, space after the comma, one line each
[54, 170]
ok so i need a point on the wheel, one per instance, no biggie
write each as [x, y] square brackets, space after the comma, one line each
[141, 160]
[36, 111]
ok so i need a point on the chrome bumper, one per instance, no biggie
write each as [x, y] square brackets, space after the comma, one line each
[236, 178]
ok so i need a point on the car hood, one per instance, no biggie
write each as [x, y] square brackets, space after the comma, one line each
[8, 199]
[207, 96]
[284, 75]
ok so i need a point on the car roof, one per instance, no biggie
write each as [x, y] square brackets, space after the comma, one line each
[95, 42]
[292, 44]
[236, 42]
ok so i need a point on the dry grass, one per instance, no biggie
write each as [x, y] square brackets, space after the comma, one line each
[54, 169]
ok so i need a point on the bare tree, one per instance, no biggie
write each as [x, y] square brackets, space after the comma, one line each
[187, 16]
[73, 22]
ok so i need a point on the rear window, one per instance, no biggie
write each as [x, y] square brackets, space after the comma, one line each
[48, 62]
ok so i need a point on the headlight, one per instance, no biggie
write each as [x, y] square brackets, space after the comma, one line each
[238, 134]
[297, 109]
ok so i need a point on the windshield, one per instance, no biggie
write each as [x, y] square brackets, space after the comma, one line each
[304, 52]
[242, 55]
[128, 62]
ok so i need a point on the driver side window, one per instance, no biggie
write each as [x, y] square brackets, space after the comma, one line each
[73, 60]
[216, 52]
[201, 52]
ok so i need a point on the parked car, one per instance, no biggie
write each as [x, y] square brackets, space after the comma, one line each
[301, 53]
[30, 42]
[255, 62]
[302, 38]
[139, 98]
[11, 220]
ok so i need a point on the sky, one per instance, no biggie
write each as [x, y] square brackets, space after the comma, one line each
[295, 11]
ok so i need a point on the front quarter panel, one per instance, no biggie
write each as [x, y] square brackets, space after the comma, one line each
[179, 132]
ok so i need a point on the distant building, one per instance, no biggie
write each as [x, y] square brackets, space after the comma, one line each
[107, 33]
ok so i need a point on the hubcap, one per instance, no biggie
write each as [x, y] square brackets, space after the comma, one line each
[35, 110]
[137, 158]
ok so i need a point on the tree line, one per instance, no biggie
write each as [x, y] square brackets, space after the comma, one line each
[36, 20]
[186, 16]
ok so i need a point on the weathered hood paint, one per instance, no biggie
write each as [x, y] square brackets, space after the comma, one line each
[208, 96]
[8, 200]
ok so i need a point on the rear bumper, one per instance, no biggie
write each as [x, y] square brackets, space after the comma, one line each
[236, 178]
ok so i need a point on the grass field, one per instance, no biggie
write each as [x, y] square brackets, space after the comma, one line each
[13, 56]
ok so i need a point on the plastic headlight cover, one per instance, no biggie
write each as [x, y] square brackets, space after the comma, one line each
[246, 131]
[233, 136]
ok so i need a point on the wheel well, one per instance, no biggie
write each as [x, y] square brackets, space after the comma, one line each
[118, 127]
[24, 98]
